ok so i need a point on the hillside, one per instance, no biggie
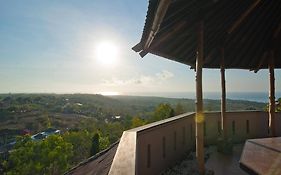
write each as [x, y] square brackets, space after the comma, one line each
[86, 118]
[33, 111]
[139, 102]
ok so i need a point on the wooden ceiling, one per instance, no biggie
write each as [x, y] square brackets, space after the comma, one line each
[249, 31]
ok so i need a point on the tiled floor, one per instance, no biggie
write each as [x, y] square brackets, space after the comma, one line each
[225, 164]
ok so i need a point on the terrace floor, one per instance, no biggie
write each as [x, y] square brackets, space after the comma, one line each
[223, 164]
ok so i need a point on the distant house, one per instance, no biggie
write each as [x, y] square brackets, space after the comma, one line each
[79, 104]
[51, 131]
[117, 117]
[38, 136]
[45, 134]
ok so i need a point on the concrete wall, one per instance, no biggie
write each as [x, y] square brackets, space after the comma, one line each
[278, 123]
[161, 144]
[167, 142]
[257, 122]
[124, 161]
[175, 135]
[237, 128]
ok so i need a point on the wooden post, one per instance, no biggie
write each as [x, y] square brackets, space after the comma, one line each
[271, 96]
[199, 118]
[223, 97]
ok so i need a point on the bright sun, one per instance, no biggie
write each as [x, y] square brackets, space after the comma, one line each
[107, 53]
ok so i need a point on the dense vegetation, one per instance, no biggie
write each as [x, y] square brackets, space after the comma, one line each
[49, 156]
[89, 124]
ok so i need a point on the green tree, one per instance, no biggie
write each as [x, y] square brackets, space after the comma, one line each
[81, 143]
[113, 130]
[162, 111]
[179, 109]
[104, 142]
[277, 107]
[95, 144]
[49, 156]
[49, 123]
[136, 122]
[92, 144]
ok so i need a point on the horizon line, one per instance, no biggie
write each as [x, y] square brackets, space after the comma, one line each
[128, 93]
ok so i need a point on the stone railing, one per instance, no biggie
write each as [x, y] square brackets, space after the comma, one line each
[240, 125]
[151, 148]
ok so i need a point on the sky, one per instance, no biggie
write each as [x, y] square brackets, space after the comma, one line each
[51, 47]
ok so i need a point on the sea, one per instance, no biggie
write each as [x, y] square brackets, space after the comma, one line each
[249, 96]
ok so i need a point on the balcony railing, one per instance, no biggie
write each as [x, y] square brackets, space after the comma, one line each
[152, 148]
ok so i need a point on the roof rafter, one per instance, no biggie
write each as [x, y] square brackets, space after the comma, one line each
[243, 16]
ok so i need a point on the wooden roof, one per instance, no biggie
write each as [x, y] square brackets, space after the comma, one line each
[248, 30]
[98, 164]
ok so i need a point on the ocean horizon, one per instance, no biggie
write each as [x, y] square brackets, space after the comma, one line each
[249, 96]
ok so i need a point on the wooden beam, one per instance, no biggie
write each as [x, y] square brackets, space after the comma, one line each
[243, 16]
[158, 18]
[174, 29]
[223, 97]
[209, 57]
[199, 118]
[272, 96]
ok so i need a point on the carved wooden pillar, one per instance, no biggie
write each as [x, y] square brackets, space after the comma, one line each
[271, 96]
[223, 96]
[199, 118]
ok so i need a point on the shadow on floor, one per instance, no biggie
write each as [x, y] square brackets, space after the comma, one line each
[225, 164]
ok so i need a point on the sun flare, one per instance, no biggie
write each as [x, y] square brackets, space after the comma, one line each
[107, 53]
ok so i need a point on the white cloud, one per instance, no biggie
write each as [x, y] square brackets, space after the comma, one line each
[165, 75]
[141, 80]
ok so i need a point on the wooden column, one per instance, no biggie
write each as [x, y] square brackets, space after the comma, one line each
[223, 97]
[271, 96]
[199, 118]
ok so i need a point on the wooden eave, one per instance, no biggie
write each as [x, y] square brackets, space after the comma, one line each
[246, 29]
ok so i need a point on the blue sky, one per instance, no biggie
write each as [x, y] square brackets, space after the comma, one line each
[49, 46]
